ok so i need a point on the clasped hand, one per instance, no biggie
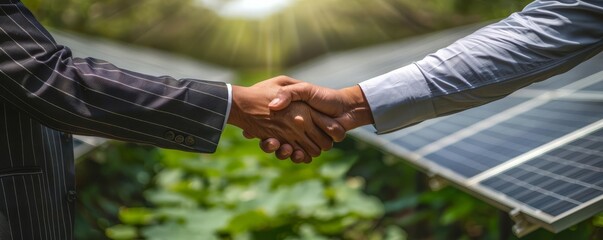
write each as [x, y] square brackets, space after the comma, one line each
[295, 119]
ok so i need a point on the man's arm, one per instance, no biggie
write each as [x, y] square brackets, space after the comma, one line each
[545, 39]
[93, 97]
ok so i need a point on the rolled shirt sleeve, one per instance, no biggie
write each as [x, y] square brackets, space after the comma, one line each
[545, 39]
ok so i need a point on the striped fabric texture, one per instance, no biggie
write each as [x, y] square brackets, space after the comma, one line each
[46, 95]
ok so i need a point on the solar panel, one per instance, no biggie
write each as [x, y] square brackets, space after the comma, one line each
[558, 184]
[564, 177]
[420, 135]
[508, 139]
[537, 153]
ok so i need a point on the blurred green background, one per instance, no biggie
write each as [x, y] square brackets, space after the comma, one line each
[129, 191]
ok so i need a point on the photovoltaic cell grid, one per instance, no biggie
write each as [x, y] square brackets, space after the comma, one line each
[520, 134]
[559, 180]
[423, 134]
[595, 87]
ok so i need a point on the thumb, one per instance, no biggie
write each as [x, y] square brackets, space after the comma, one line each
[290, 93]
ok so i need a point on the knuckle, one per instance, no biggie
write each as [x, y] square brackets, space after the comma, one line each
[337, 132]
[304, 85]
[299, 120]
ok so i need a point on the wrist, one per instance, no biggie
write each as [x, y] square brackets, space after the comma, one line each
[358, 109]
[234, 117]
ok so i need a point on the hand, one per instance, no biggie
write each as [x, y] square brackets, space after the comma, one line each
[305, 131]
[348, 106]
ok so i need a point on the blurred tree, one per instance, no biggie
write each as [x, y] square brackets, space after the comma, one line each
[303, 31]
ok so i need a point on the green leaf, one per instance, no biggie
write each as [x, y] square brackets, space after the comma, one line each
[211, 220]
[135, 216]
[304, 196]
[165, 198]
[249, 221]
[401, 203]
[598, 220]
[121, 232]
[456, 212]
[337, 167]
[174, 231]
[335, 226]
[353, 201]
[394, 233]
[307, 232]
[169, 177]
[207, 220]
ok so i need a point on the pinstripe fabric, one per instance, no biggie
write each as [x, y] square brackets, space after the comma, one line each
[45, 94]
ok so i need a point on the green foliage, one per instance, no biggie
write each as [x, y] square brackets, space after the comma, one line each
[132, 192]
[239, 193]
[107, 179]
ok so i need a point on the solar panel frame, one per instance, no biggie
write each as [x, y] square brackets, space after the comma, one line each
[82, 145]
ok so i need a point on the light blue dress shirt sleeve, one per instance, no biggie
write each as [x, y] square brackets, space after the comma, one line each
[545, 39]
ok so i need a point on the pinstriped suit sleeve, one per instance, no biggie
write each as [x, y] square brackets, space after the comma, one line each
[93, 97]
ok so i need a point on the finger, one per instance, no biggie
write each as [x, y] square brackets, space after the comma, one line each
[287, 94]
[284, 151]
[307, 159]
[329, 126]
[270, 145]
[248, 135]
[319, 138]
[310, 148]
[306, 143]
[286, 80]
[298, 156]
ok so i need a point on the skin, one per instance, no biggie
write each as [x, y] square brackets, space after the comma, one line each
[303, 131]
[348, 106]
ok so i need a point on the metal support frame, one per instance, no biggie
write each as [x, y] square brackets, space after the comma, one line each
[522, 226]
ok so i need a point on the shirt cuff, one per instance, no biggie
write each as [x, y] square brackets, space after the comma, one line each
[398, 99]
[227, 115]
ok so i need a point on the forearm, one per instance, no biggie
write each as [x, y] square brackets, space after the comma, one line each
[546, 39]
[93, 97]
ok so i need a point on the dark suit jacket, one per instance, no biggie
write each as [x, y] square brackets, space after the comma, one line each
[46, 95]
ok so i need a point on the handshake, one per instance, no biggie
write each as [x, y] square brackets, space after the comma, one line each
[295, 119]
